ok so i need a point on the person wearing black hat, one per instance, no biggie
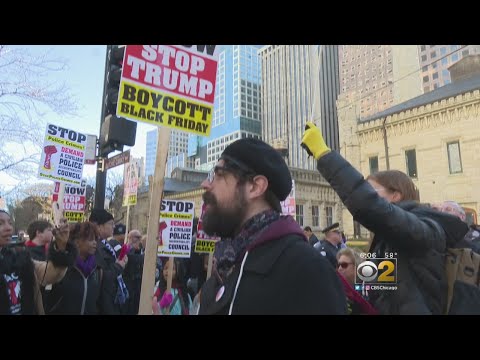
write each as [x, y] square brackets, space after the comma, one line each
[118, 238]
[114, 292]
[264, 264]
[328, 246]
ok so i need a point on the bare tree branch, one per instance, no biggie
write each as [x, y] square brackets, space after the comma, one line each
[27, 94]
[114, 179]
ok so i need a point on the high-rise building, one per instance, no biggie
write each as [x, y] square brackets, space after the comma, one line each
[150, 153]
[376, 77]
[177, 150]
[299, 83]
[237, 105]
[436, 59]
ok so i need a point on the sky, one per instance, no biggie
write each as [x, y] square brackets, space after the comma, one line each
[84, 76]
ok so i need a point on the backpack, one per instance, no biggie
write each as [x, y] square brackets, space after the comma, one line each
[462, 265]
[463, 278]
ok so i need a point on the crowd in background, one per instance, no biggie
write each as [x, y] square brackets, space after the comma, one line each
[264, 264]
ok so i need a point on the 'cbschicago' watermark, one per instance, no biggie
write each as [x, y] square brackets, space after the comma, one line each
[374, 273]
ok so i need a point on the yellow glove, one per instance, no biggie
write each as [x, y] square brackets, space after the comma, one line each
[313, 141]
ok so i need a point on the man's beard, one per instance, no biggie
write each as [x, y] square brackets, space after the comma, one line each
[223, 221]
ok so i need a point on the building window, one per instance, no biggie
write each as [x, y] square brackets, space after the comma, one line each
[356, 229]
[411, 160]
[329, 215]
[373, 162]
[425, 78]
[471, 216]
[454, 158]
[315, 216]
[299, 214]
[435, 76]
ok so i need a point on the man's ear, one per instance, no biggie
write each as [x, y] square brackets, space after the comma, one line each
[258, 186]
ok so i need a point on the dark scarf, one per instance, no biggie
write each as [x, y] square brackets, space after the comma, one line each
[230, 251]
[86, 266]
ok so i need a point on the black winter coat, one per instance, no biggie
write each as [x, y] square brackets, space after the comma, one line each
[17, 265]
[281, 276]
[75, 294]
[107, 262]
[404, 228]
[132, 275]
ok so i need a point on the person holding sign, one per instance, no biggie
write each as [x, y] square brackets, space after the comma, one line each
[264, 262]
[21, 276]
[79, 293]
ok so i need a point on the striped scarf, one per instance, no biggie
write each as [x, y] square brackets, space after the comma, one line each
[230, 251]
[110, 248]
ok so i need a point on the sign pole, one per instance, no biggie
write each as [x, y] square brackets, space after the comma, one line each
[126, 225]
[59, 206]
[210, 265]
[150, 261]
[169, 279]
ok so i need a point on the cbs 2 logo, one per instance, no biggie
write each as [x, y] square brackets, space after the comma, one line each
[368, 271]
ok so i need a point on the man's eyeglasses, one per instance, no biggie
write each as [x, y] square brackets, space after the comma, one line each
[344, 265]
[213, 172]
[227, 167]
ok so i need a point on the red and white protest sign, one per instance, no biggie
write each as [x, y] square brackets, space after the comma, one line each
[74, 200]
[288, 205]
[204, 243]
[169, 85]
[63, 155]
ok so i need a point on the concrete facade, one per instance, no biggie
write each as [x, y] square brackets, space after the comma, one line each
[378, 77]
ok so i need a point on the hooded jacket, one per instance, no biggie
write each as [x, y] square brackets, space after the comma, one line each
[279, 273]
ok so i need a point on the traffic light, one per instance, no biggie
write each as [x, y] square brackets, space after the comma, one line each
[115, 132]
[114, 72]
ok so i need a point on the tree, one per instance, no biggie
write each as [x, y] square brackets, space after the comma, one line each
[27, 211]
[32, 202]
[89, 196]
[114, 191]
[26, 93]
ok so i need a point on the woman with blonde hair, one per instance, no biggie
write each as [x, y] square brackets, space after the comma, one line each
[348, 259]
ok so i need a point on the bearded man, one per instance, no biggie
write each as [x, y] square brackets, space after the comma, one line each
[264, 264]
